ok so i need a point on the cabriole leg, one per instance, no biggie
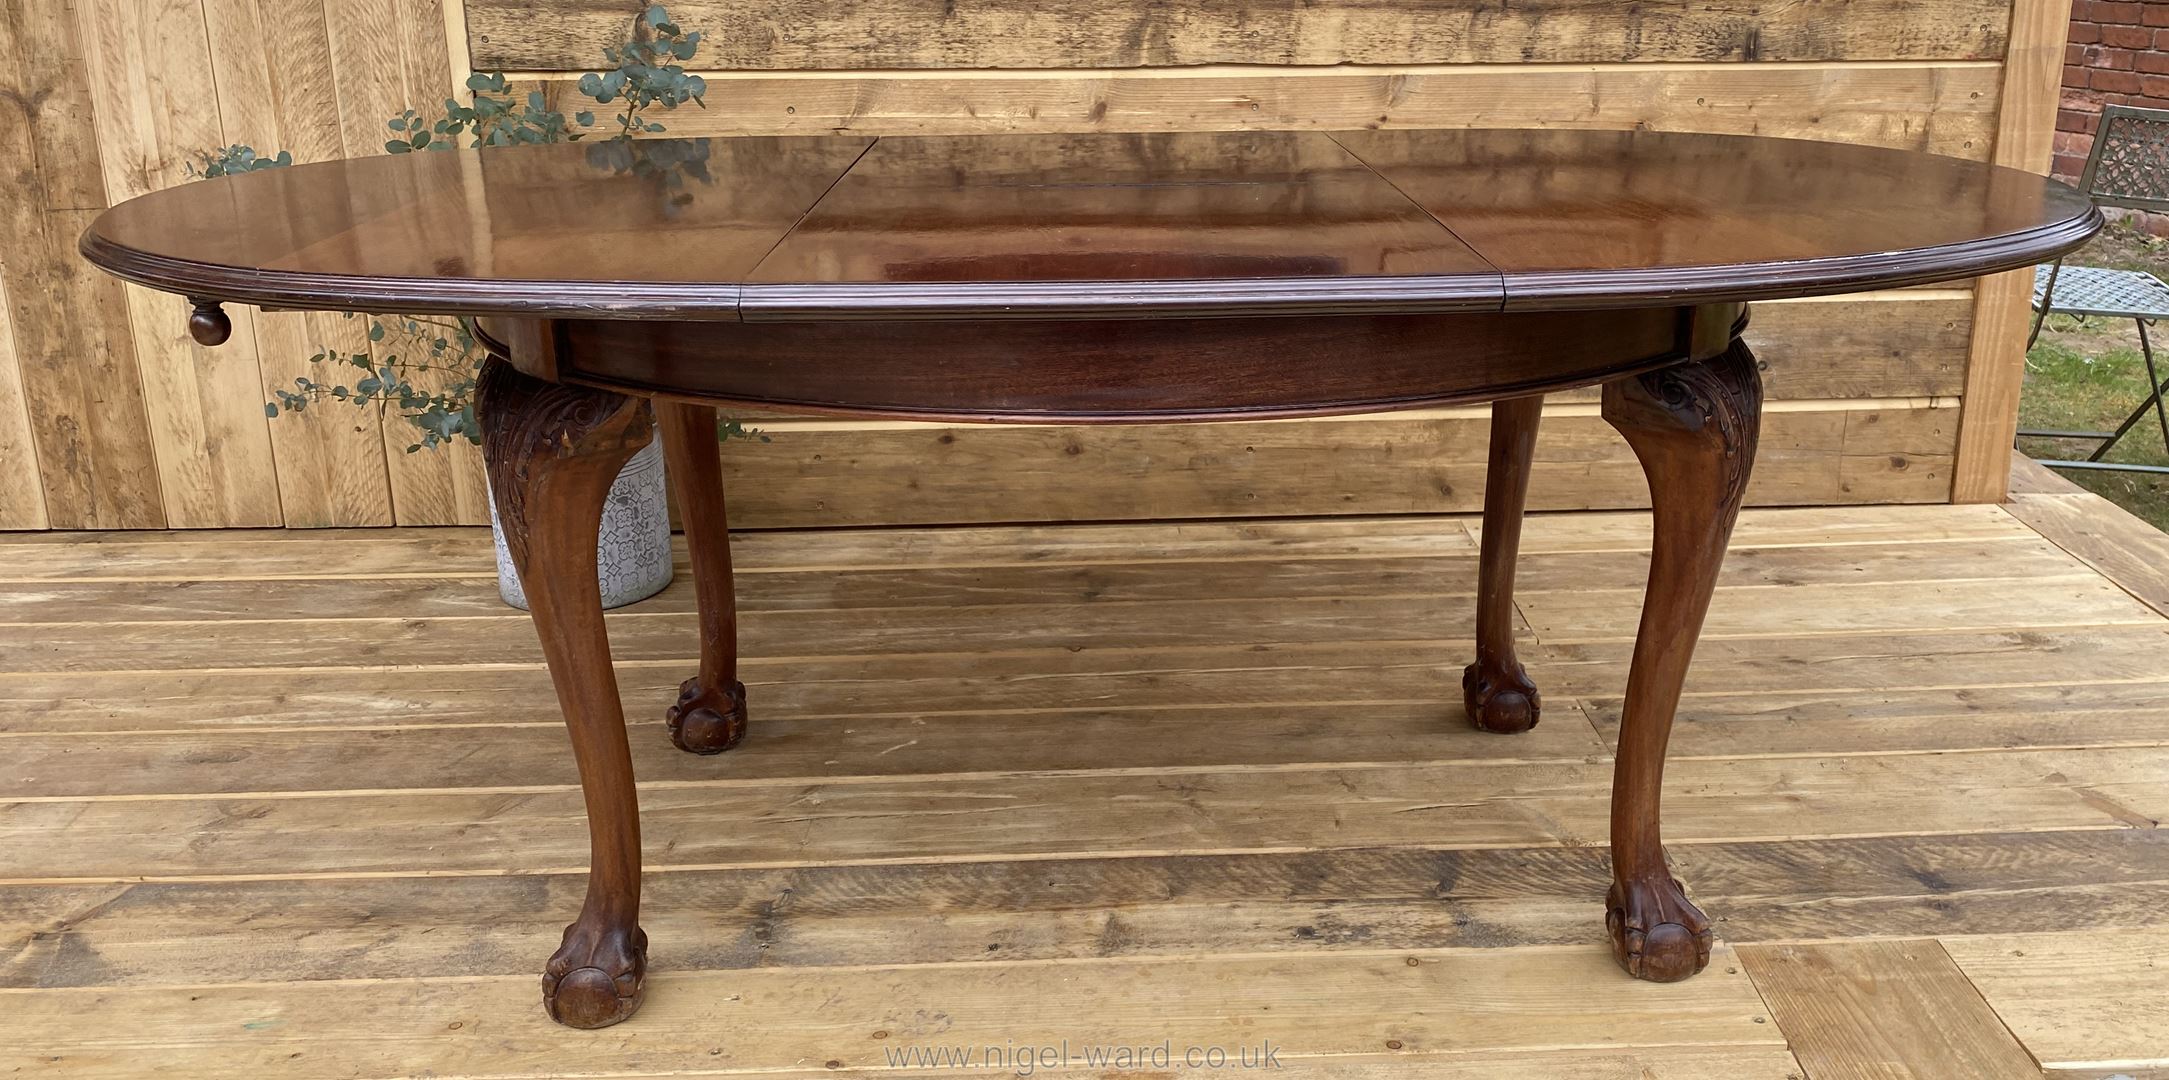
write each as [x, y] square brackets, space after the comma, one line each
[1693, 426]
[552, 452]
[1495, 691]
[710, 716]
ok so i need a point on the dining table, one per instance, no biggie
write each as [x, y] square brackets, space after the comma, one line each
[625, 290]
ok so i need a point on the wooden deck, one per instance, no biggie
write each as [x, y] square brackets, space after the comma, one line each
[298, 805]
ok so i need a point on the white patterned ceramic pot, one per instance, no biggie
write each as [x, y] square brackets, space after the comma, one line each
[633, 549]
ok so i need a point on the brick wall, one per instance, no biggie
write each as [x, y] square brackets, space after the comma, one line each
[2118, 54]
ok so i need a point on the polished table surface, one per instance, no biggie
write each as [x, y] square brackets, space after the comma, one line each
[1093, 225]
[625, 287]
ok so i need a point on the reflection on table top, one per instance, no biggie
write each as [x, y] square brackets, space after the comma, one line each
[1255, 221]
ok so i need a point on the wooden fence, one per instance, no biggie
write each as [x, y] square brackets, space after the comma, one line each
[111, 418]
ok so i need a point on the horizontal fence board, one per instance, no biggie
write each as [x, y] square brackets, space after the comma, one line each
[1910, 343]
[561, 35]
[1895, 344]
[1922, 75]
[1943, 107]
[842, 473]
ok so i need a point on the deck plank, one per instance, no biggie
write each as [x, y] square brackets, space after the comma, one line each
[1972, 717]
[2090, 1002]
[1416, 1004]
[1845, 671]
[1442, 577]
[1557, 618]
[2124, 549]
[522, 825]
[276, 553]
[258, 930]
[1879, 1010]
[298, 803]
[85, 765]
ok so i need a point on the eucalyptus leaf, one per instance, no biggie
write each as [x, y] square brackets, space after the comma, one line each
[425, 366]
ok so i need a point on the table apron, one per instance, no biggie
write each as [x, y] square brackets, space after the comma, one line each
[1115, 371]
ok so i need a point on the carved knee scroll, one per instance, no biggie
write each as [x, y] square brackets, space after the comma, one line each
[552, 452]
[1694, 428]
[537, 433]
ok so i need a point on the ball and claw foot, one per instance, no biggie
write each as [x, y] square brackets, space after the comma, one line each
[1502, 702]
[1657, 933]
[597, 977]
[707, 723]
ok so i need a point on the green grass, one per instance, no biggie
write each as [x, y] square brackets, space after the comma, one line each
[2088, 375]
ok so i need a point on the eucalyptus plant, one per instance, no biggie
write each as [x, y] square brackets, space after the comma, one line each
[647, 72]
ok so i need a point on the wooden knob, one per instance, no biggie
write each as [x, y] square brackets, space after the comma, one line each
[208, 324]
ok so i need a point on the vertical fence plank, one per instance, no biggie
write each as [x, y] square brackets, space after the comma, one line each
[150, 78]
[1996, 368]
[277, 90]
[73, 347]
[22, 494]
[392, 55]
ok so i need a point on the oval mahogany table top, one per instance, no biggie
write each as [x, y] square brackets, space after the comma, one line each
[1086, 226]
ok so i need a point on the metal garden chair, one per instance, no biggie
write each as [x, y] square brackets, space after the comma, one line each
[2128, 167]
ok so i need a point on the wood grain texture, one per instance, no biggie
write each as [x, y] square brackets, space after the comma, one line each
[1907, 341]
[821, 472]
[2121, 547]
[1995, 370]
[1854, 346]
[553, 451]
[151, 78]
[1010, 836]
[339, 64]
[1496, 693]
[74, 348]
[22, 498]
[212, 554]
[1293, 905]
[2085, 1004]
[1694, 427]
[709, 716]
[1111, 226]
[275, 71]
[2030, 477]
[530, 828]
[393, 55]
[1098, 371]
[1355, 1005]
[1945, 108]
[1878, 1010]
[1903, 342]
[1831, 452]
[470, 594]
[544, 35]
[1885, 344]
[1718, 724]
